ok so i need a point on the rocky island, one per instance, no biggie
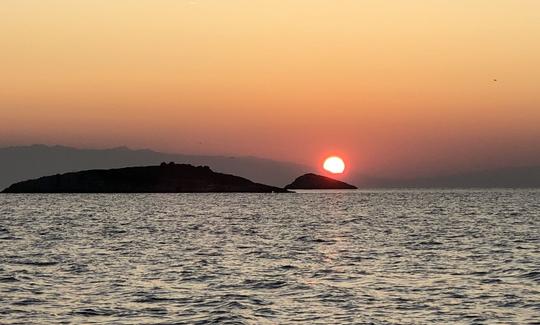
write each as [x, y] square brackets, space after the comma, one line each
[317, 182]
[166, 178]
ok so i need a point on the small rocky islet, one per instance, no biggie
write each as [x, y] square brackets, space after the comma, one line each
[312, 181]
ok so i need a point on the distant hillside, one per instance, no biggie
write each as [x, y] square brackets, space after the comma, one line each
[515, 177]
[27, 162]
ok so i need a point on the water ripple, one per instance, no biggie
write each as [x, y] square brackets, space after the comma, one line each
[364, 257]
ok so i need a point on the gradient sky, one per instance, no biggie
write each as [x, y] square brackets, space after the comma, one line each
[398, 87]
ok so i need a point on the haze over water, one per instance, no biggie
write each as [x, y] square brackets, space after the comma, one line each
[382, 257]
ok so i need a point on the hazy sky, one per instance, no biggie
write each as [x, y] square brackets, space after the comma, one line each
[397, 87]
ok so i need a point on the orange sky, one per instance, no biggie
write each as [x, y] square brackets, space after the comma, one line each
[399, 87]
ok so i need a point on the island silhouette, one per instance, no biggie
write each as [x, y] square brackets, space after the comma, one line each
[312, 181]
[165, 178]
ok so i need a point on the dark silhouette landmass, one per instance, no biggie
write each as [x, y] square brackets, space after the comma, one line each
[317, 182]
[166, 178]
[28, 162]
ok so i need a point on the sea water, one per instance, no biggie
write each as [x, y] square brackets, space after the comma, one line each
[365, 257]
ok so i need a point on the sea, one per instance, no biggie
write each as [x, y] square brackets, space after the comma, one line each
[313, 257]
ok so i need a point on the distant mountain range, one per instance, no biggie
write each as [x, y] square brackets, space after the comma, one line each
[514, 177]
[28, 162]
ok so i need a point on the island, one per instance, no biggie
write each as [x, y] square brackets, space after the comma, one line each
[318, 182]
[165, 178]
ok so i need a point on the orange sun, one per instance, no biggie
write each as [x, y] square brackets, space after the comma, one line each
[334, 164]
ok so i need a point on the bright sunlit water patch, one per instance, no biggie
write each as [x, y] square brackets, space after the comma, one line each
[380, 257]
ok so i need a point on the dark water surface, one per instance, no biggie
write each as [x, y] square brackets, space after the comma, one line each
[382, 257]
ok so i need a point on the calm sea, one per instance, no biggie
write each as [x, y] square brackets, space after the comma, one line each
[365, 257]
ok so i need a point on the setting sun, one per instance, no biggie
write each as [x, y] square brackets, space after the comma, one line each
[334, 164]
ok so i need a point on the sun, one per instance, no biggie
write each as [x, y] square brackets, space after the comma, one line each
[334, 164]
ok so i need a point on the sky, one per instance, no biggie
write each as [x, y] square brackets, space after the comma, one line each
[398, 88]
